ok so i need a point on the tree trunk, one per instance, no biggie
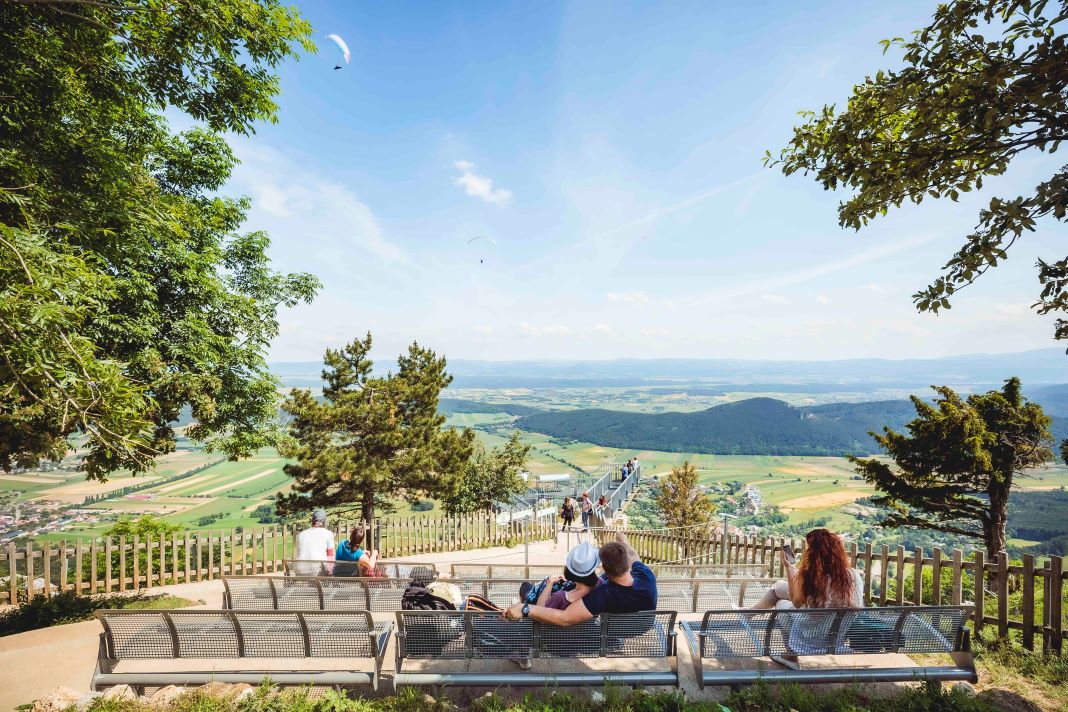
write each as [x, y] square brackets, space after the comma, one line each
[994, 528]
[367, 507]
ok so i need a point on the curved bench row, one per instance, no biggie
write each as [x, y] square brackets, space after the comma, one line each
[233, 646]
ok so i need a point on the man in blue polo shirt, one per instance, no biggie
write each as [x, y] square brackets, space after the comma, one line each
[631, 587]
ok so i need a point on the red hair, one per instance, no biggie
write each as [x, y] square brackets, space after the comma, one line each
[825, 572]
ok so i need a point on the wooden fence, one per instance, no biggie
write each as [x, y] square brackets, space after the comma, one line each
[1026, 597]
[121, 564]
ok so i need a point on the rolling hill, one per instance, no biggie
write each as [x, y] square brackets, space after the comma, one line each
[757, 426]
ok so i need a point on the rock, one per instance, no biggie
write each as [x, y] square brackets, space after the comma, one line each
[966, 688]
[226, 691]
[58, 700]
[429, 702]
[86, 700]
[164, 696]
[1007, 701]
[597, 697]
[120, 692]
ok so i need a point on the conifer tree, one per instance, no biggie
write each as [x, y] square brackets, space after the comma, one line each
[681, 501]
[372, 439]
[954, 469]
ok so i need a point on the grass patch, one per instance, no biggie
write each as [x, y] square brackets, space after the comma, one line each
[787, 698]
[63, 608]
[1005, 664]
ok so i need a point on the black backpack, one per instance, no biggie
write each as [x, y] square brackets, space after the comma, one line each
[417, 598]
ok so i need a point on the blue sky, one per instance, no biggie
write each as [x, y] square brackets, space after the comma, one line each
[612, 151]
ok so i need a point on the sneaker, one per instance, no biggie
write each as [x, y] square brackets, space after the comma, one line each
[523, 663]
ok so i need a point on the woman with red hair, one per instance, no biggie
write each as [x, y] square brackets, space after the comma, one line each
[822, 579]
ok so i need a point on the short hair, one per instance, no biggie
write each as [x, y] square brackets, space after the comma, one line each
[614, 558]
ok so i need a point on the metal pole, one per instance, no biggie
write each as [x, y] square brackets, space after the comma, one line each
[526, 542]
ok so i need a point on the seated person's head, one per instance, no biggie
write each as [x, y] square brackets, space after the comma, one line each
[581, 564]
[614, 559]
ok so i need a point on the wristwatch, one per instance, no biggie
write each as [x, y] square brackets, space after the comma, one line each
[526, 610]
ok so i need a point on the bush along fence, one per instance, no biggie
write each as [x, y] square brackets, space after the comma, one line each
[1026, 600]
[126, 564]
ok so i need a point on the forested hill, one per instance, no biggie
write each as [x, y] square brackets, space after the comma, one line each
[757, 426]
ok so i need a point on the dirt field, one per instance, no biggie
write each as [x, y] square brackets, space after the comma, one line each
[823, 501]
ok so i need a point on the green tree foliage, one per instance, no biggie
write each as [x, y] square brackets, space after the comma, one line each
[372, 438]
[490, 476]
[145, 527]
[681, 501]
[126, 289]
[980, 85]
[954, 470]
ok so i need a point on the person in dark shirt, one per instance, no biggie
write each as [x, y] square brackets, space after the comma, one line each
[630, 587]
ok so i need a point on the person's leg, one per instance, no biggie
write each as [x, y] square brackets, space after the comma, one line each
[779, 591]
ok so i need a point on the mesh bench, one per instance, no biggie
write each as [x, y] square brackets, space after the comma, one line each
[281, 593]
[389, 569]
[219, 637]
[832, 631]
[466, 636]
[662, 571]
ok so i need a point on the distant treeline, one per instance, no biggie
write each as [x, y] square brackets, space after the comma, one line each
[1040, 516]
[757, 426]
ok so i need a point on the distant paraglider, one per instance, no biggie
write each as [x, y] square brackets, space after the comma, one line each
[343, 47]
[482, 237]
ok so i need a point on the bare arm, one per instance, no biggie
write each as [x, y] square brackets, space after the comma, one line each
[547, 591]
[632, 555]
[572, 615]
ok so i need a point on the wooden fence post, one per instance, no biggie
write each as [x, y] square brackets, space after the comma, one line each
[63, 570]
[12, 575]
[1056, 598]
[92, 566]
[867, 574]
[29, 571]
[958, 577]
[1003, 594]
[107, 564]
[980, 591]
[899, 593]
[122, 563]
[917, 576]
[136, 562]
[1028, 604]
[78, 566]
[47, 553]
[936, 576]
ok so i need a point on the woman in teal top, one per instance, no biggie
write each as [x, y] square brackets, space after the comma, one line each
[352, 550]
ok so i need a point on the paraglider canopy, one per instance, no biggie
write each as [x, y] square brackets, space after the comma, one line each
[340, 45]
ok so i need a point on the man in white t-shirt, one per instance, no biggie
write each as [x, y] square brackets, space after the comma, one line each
[314, 544]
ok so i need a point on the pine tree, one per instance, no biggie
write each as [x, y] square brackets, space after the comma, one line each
[372, 439]
[956, 467]
[681, 501]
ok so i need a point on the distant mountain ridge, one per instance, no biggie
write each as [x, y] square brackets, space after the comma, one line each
[756, 426]
[1041, 366]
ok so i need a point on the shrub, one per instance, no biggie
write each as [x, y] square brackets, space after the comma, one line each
[66, 607]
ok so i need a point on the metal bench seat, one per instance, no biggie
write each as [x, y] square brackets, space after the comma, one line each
[231, 635]
[480, 636]
[831, 631]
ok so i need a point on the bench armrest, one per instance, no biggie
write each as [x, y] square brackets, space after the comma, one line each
[694, 641]
[379, 643]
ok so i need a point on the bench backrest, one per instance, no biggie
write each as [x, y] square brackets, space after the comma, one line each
[375, 594]
[662, 571]
[828, 631]
[434, 635]
[389, 569]
[132, 635]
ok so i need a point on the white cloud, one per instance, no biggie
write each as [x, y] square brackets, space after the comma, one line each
[480, 186]
[324, 212]
[637, 298]
[823, 299]
[601, 329]
[549, 330]
[482, 329]
[774, 298]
